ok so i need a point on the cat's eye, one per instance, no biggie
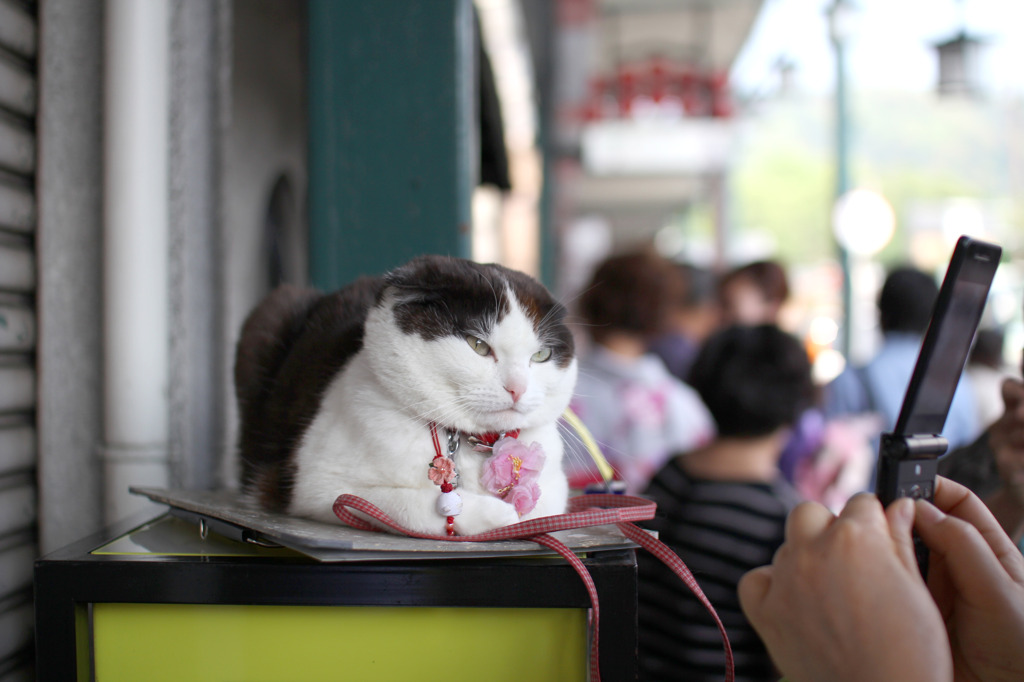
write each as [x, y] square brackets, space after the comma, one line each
[478, 345]
[543, 355]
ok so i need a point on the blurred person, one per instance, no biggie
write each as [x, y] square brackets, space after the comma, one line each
[819, 458]
[636, 410]
[986, 372]
[839, 464]
[692, 317]
[722, 507]
[824, 461]
[1005, 440]
[843, 599]
[754, 293]
[993, 465]
[904, 308]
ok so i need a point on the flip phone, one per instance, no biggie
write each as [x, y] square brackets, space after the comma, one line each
[908, 456]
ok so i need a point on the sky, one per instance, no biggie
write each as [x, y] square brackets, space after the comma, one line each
[892, 46]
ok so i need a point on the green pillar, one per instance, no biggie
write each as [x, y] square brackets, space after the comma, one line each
[840, 21]
[843, 185]
[392, 134]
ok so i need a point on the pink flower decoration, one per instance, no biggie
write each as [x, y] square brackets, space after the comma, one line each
[523, 497]
[512, 471]
[442, 470]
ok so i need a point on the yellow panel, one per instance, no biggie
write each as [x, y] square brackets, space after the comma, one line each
[175, 642]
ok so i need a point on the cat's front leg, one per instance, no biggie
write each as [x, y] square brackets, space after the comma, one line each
[411, 508]
[554, 496]
[417, 510]
[481, 513]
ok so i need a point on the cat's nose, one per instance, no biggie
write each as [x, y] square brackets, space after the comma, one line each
[515, 383]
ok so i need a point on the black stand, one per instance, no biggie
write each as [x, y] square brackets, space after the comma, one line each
[69, 581]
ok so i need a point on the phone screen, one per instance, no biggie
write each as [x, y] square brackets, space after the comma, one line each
[948, 339]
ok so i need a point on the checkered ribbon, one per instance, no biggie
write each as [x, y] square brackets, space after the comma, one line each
[584, 511]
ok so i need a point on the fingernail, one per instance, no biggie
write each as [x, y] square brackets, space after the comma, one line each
[904, 508]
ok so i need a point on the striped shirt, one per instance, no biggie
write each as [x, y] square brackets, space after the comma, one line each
[721, 530]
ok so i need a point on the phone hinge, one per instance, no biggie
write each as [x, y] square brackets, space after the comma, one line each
[919, 446]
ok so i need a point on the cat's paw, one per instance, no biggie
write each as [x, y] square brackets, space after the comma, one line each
[481, 513]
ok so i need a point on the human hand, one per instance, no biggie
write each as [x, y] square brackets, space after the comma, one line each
[976, 576]
[844, 600]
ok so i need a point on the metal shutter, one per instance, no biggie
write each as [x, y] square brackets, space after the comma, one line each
[18, 508]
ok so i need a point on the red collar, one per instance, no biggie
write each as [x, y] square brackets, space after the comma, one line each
[483, 441]
[489, 439]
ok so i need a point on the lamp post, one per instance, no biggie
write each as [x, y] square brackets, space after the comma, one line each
[842, 16]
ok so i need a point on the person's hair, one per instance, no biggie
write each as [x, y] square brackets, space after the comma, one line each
[700, 286]
[753, 379]
[906, 301]
[768, 276]
[988, 348]
[630, 293]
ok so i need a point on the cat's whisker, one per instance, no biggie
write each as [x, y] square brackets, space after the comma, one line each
[495, 296]
[576, 455]
[568, 302]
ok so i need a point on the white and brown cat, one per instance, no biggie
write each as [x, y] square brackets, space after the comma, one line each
[337, 392]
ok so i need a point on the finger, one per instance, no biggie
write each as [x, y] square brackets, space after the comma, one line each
[752, 591]
[973, 561]
[807, 521]
[863, 507]
[957, 500]
[900, 516]
[940, 584]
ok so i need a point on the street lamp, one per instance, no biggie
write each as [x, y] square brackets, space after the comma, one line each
[960, 61]
[843, 17]
[863, 223]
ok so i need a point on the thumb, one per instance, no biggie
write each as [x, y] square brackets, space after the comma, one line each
[900, 515]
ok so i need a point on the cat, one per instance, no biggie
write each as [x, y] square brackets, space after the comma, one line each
[337, 392]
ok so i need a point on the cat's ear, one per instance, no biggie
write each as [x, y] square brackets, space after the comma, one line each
[426, 278]
[404, 275]
[399, 296]
[423, 269]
